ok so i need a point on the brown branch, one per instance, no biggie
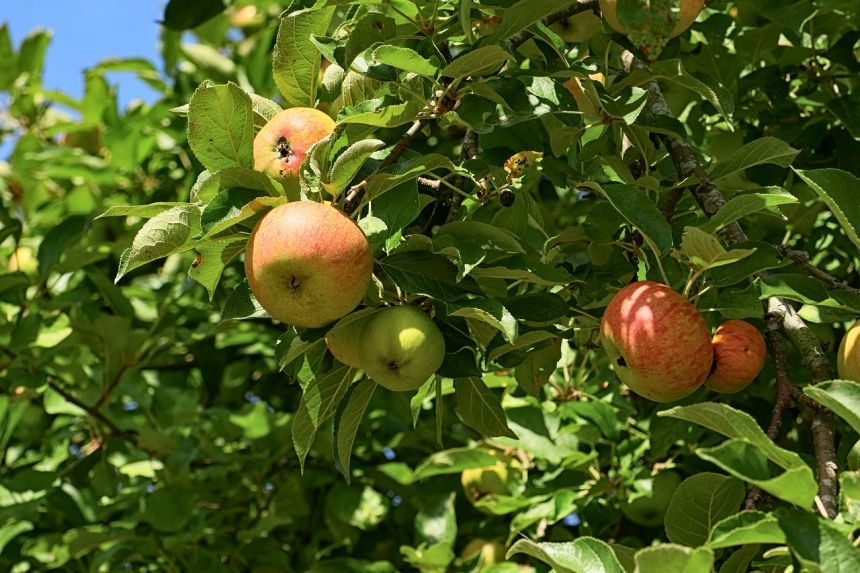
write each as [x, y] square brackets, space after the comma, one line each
[94, 412]
[814, 359]
[801, 259]
[108, 390]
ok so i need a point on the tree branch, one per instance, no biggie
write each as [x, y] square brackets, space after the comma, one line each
[801, 259]
[92, 411]
[521, 38]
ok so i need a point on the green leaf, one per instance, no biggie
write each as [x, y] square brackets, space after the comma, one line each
[221, 126]
[745, 528]
[817, 543]
[375, 113]
[405, 59]
[849, 488]
[12, 529]
[169, 509]
[480, 62]
[523, 14]
[296, 61]
[142, 211]
[705, 250]
[670, 558]
[764, 257]
[841, 396]
[741, 459]
[742, 205]
[480, 409]
[319, 400]
[766, 150]
[232, 206]
[583, 555]
[167, 233]
[698, 503]
[405, 171]
[346, 421]
[642, 213]
[348, 163]
[211, 260]
[838, 190]
[453, 461]
[241, 304]
[183, 15]
[59, 238]
[420, 272]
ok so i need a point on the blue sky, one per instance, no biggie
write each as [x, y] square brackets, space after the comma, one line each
[86, 32]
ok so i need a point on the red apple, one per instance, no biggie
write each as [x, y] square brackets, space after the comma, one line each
[739, 354]
[308, 264]
[282, 144]
[658, 342]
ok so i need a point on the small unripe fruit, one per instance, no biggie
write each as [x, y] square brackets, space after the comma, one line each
[478, 482]
[739, 355]
[848, 356]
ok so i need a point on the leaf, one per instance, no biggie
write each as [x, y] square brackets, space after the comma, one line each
[211, 260]
[841, 396]
[480, 409]
[183, 15]
[348, 163]
[142, 211]
[406, 171]
[232, 206]
[296, 61]
[375, 113]
[59, 238]
[453, 461]
[583, 555]
[420, 272]
[167, 233]
[346, 421]
[523, 14]
[766, 150]
[741, 459]
[745, 528]
[319, 400]
[11, 529]
[742, 205]
[483, 61]
[817, 541]
[221, 126]
[838, 190]
[670, 558]
[698, 503]
[405, 59]
[168, 509]
[705, 250]
[642, 213]
[241, 304]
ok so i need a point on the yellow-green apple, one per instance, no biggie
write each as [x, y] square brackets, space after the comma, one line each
[478, 482]
[688, 11]
[577, 28]
[308, 264]
[487, 552]
[848, 356]
[342, 340]
[657, 341]
[282, 144]
[739, 354]
[400, 348]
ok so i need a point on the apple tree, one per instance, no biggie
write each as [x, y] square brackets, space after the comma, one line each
[613, 246]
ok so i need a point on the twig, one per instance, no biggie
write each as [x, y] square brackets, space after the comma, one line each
[801, 259]
[521, 38]
[108, 390]
[94, 412]
[825, 456]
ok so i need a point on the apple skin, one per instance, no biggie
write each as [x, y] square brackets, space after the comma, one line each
[308, 264]
[848, 355]
[739, 355]
[578, 28]
[282, 144]
[488, 552]
[342, 340]
[688, 12]
[400, 348]
[657, 341]
[478, 482]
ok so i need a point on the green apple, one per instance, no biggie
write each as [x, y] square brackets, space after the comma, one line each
[400, 348]
[478, 482]
[282, 144]
[308, 264]
[487, 552]
[657, 341]
[848, 355]
[342, 340]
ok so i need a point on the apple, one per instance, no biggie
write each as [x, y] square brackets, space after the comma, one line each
[657, 341]
[487, 552]
[739, 354]
[688, 11]
[400, 347]
[342, 340]
[23, 260]
[489, 480]
[282, 144]
[308, 264]
[577, 28]
[848, 355]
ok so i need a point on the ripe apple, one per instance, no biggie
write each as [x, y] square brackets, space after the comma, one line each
[281, 146]
[342, 340]
[688, 11]
[848, 355]
[739, 354]
[400, 347]
[488, 552]
[308, 264]
[657, 341]
[478, 482]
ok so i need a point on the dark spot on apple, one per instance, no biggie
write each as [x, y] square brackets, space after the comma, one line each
[621, 362]
[294, 284]
[393, 366]
[282, 147]
[746, 349]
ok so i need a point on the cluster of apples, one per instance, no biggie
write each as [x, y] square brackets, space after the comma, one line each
[308, 265]
[662, 349]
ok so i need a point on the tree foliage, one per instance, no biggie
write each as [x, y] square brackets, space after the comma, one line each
[514, 163]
